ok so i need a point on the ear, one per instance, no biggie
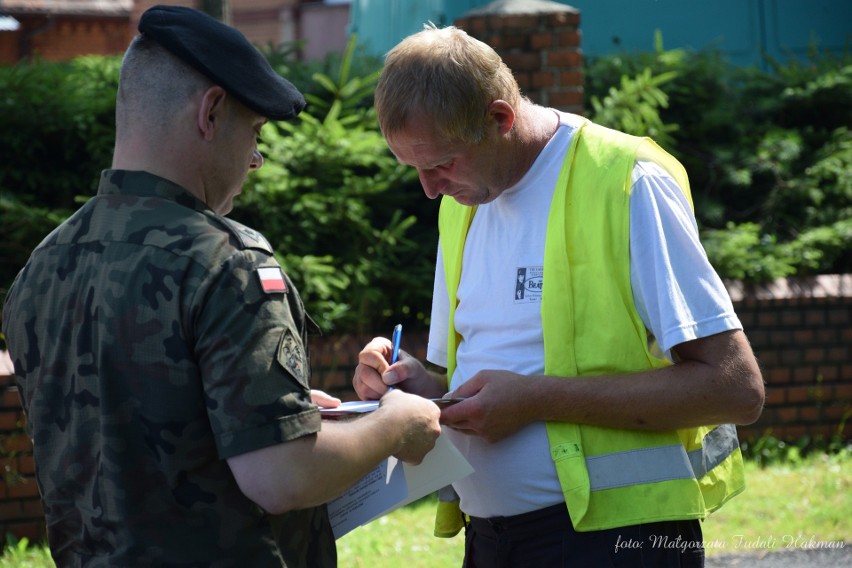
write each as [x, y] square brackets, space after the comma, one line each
[211, 110]
[502, 114]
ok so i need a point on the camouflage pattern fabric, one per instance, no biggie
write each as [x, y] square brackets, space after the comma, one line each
[147, 350]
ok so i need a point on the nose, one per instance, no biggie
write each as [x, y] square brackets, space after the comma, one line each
[256, 160]
[431, 183]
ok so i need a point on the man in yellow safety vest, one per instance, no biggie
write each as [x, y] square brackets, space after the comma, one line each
[602, 365]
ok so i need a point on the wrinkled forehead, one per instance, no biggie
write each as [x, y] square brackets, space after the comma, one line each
[420, 144]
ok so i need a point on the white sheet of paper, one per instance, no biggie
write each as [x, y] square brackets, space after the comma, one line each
[390, 486]
[363, 406]
[353, 407]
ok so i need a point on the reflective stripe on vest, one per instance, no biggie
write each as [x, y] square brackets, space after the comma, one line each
[663, 463]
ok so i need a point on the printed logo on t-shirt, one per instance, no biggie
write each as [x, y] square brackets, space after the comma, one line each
[528, 283]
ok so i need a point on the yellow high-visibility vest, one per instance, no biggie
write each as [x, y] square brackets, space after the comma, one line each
[609, 477]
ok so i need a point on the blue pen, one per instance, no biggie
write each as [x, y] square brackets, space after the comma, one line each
[397, 337]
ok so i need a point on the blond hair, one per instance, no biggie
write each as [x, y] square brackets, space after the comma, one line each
[447, 77]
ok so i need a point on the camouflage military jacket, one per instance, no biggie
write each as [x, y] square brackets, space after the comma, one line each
[153, 339]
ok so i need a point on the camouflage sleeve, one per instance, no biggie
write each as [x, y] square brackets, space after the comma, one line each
[253, 362]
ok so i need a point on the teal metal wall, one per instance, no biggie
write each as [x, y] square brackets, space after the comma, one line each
[742, 29]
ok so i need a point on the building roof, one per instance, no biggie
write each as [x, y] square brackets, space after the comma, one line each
[67, 7]
[514, 7]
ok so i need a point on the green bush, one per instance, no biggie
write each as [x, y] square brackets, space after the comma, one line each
[57, 128]
[347, 221]
[634, 107]
[56, 134]
[769, 154]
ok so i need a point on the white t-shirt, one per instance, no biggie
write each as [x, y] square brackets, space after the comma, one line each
[677, 293]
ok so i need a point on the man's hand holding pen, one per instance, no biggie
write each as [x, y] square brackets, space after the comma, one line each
[377, 371]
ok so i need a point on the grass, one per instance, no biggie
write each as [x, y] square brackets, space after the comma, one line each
[801, 503]
[403, 534]
[19, 554]
[791, 505]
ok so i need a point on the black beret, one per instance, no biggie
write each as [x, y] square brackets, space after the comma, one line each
[224, 55]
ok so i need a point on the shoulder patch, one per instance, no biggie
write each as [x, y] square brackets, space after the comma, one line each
[248, 237]
[272, 279]
[291, 356]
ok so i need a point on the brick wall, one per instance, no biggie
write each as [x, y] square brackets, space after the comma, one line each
[540, 44]
[800, 329]
[20, 508]
[61, 37]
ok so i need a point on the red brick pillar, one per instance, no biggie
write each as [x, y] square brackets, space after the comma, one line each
[540, 42]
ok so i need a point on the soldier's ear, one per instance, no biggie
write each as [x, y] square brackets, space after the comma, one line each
[211, 110]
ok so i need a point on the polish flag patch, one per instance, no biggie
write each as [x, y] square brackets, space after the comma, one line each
[272, 279]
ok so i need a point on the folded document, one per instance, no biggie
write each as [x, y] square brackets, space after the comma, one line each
[394, 484]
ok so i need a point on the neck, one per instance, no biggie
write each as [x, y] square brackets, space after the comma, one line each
[535, 126]
[163, 156]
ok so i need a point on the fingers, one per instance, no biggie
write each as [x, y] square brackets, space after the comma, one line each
[376, 354]
[402, 370]
[419, 421]
[476, 385]
[374, 374]
[363, 385]
[323, 399]
[492, 409]
[461, 416]
[372, 363]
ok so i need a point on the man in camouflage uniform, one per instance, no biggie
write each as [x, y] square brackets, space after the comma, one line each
[160, 350]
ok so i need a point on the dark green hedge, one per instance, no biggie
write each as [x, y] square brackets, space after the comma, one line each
[769, 157]
[769, 154]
